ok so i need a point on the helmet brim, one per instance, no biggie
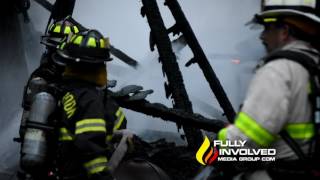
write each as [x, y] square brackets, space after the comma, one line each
[65, 57]
[58, 59]
[284, 13]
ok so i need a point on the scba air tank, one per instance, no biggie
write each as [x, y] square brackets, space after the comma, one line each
[35, 85]
[34, 147]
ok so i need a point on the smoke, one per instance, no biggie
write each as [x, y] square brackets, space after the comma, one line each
[219, 27]
[14, 72]
[10, 151]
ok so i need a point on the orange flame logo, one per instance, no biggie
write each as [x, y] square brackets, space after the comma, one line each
[206, 153]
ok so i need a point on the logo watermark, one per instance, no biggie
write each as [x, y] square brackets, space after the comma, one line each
[228, 150]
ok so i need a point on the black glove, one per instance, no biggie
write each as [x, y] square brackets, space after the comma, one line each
[132, 93]
[111, 83]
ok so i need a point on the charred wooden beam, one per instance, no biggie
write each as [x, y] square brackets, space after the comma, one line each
[170, 67]
[183, 26]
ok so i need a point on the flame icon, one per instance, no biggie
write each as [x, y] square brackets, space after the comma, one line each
[206, 153]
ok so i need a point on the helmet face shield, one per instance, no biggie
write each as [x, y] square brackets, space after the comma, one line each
[52, 41]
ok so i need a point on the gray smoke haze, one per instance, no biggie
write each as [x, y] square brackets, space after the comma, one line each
[14, 72]
[218, 25]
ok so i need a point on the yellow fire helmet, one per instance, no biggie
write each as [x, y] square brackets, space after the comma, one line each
[89, 47]
[59, 31]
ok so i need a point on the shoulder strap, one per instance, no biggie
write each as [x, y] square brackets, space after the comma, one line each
[303, 59]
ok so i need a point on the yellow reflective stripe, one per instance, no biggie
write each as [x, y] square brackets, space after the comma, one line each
[96, 165]
[91, 42]
[91, 129]
[57, 29]
[102, 43]
[65, 138]
[69, 104]
[109, 138]
[90, 125]
[253, 130]
[119, 111]
[90, 121]
[269, 20]
[75, 29]
[78, 40]
[65, 135]
[300, 130]
[62, 46]
[97, 170]
[95, 161]
[67, 30]
[73, 37]
[222, 134]
[119, 120]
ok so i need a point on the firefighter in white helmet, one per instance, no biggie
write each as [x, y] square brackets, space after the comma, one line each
[278, 98]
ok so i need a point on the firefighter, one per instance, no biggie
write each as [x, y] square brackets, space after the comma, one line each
[48, 71]
[84, 148]
[37, 86]
[57, 32]
[51, 71]
[277, 99]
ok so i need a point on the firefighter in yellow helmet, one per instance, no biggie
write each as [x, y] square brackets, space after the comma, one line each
[84, 148]
[56, 34]
[48, 71]
[278, 111]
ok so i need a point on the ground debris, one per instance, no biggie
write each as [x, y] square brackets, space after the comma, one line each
[178, 162]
